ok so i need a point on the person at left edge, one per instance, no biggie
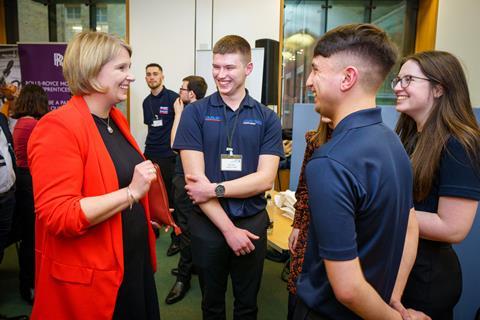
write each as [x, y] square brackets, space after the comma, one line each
[7, 183]
[95, 248]
[158, 115]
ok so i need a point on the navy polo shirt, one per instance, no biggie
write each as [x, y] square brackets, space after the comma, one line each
[360, 194]
[202, 128]
[159, 107]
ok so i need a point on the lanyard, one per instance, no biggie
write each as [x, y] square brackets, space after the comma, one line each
[229, 148]
[151, 109]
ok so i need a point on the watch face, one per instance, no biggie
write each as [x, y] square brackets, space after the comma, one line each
[219, 190]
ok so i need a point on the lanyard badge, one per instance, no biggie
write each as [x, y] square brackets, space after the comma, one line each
[230, 161]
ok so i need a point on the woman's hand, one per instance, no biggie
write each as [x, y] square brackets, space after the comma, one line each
[292, 239]
[143, 175]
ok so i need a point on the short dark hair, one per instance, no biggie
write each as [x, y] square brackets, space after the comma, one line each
[197, 84]
[365, 41]
[32, 101]
[154, 65]
[233, 44]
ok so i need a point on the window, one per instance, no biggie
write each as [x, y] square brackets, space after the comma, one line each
[60, 20]
[306, 20]
[102, 14]
[73, 13]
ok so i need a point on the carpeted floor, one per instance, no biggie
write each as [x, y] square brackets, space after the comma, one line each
[272, 299]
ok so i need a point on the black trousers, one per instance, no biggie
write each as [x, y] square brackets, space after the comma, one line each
[25, 212]
[292, 303]
[7, 208]
[184, 210]
[435, 283]
[167, 169]
[215, 261]
[303, 312]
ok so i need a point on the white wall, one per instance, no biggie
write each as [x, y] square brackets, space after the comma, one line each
[252, 19]
[457, 32]
[161, 32]
[169, 32]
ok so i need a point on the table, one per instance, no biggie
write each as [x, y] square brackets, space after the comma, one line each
[282, 226]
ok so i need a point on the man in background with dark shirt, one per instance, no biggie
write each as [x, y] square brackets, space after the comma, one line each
[193, 88]
[158, 115]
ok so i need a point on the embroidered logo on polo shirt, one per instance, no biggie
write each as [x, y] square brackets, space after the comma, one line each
[163, 110]
[252, 122]
[213, 119]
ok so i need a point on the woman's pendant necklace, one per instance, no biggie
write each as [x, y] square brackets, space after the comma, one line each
[107, 123]
[109, 129]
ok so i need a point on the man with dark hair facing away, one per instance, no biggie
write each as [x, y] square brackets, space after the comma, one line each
[193, 88]
[359, 185]
[230, 147]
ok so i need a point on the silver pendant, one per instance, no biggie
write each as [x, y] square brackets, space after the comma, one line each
[109, 129]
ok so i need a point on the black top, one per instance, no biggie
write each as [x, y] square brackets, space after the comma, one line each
[160, 108]
[137, 296]
[456, 177]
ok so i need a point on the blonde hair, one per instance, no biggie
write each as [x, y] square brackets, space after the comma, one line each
[85, 56]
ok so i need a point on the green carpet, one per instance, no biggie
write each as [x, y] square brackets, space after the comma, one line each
[272, 299]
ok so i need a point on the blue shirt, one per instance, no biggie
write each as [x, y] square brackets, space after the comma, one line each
[159, 107]
[258, 131]
[360, 194]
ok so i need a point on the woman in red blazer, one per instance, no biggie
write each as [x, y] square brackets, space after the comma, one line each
[94, 247]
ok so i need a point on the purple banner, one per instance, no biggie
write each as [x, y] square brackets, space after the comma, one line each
[41, 64]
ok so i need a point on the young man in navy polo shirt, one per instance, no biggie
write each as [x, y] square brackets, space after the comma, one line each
[158, 115]
[359, 185]
[230, 147]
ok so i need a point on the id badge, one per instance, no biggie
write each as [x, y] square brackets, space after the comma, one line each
[157, 123]
[231, 162]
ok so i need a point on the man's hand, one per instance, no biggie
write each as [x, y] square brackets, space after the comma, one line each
[417, 315]
[408, 314]
[287, 147]
[199, 188]
[178, 106]
[292, 240]
[397, 305]
[239, 240]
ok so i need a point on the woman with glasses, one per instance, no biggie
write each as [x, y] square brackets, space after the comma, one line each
[439, 131]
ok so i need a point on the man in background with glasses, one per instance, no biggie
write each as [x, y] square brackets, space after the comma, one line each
[193, 88]
[158, 115]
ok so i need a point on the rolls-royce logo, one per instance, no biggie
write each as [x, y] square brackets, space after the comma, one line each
[58, 59]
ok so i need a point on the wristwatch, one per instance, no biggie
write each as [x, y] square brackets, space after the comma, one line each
[219, 191]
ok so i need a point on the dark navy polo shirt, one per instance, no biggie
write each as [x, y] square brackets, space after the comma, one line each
[157, 143]
[456, 177]
[360, 194]
[202, 128]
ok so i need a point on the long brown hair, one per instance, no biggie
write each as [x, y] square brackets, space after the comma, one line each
[451, 116]
[321, 135]
[32, 101]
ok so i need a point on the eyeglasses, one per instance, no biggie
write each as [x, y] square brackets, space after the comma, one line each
[183, 89]
[405, 81]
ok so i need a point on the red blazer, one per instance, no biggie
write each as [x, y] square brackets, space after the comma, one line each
[79, 267]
